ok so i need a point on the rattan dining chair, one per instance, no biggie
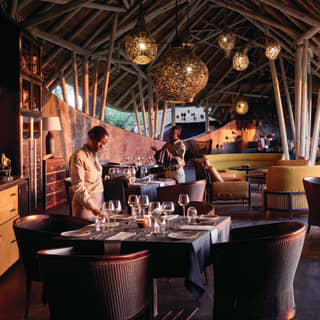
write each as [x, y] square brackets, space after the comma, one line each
[83, 286]
[254, 272]
[36, 232]
[312, 188]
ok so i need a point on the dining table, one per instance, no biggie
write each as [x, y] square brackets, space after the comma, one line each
[182, 252]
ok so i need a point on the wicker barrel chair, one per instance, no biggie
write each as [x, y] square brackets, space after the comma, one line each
[83, 286]
[254, 273]
[36, 232]
[312, 188]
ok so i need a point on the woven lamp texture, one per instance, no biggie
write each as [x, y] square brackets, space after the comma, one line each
[227, 41]
[140, 46]
[273, 49]
[240, 60]
[242, 106]
[180, 75]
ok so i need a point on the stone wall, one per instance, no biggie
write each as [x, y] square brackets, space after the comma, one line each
[75, 126]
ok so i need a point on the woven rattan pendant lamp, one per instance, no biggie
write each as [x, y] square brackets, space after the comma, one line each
[241, 105]
[140, 46]
[180, 74]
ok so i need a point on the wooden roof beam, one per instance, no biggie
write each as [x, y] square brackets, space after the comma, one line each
[103, 7]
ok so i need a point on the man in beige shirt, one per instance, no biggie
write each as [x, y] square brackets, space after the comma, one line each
[86, 175]
[176, 150]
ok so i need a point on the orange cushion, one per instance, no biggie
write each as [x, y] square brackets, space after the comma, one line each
[215, 174]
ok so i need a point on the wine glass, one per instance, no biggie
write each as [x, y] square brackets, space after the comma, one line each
[127, 173]
[183, 201]
[116, 172]
[133, 173]
[154, 211]
[167, 208]
[192, 214]
[132, 201]
[143, 201]
[114, 208]
[144, 171]
[111, 172]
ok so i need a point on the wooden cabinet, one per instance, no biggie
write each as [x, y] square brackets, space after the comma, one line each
[21, 104]
[53, 186]
[9, 251]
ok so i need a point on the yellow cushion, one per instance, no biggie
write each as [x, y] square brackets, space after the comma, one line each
[293, 163]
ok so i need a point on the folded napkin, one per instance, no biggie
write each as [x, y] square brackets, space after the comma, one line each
[213, 230]
[122, 235]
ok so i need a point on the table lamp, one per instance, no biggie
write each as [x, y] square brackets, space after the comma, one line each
[51, 124]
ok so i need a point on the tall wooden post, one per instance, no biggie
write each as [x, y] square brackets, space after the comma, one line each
[136, 111]
[85, 84]
[150, 106]
[163, 122]
[75, 81]
[282, 125]
[309, 108]
[304, 102]
[156, 117]
[143, 106]
[64, 87]
[298, 98]
[94, 88]
[316, 131]
[104, 94]
[207, 122]
[173, 114]
[286, 89]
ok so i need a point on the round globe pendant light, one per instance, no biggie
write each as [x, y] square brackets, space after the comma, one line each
[241, 106]
[273, 48]
[140, 46]
[240, 60]
[227, 41]
[180, 75]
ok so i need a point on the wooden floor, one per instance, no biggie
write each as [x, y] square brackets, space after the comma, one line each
[175, 302]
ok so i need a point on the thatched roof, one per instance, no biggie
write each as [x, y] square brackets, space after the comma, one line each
[84, 27]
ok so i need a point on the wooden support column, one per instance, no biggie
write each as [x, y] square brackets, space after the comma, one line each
[104, 94]
[173, 114]
[309, 107]
[137, 112]
[156, 117]
[94, 88]
[277, 95]
[85, 85]
[207, 123]
[75, 82]
[143, 106]
[298, 98]
[286, 89]
[163, 122]
[64, 87]
[304, 101]
[150, 106]
[316, 131]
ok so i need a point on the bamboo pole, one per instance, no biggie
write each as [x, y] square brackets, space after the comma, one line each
[163, 121]
[150, 106]
[309, 108]
[85, 84]
[304, 99]
[286, 89]
[156, 117]
[316, 131]
[207, 123]
[282, 125]
[64, 88]
[136, 111]
[94, 88]
[298, 98]
[75, 81]
[173, 114]
[143, 106]
[104, 94]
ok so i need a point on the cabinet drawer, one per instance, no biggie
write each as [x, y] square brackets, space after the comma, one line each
[55, 165]
[55, 198]
[55, 187]
[8, 245]
[56, 176]
[8, 203]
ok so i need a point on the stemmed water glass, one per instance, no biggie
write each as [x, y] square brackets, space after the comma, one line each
[133, 173]
[143, 202]
[167, 208]
[154, 211]
[132, 201]
[183, 201]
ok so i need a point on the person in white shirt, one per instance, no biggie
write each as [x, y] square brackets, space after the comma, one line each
[86, 175]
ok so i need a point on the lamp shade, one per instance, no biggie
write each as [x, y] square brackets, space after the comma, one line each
[51, 124]
[180, 75]
[240, 60]
[227, 41]
[242, 106]
[273, 49]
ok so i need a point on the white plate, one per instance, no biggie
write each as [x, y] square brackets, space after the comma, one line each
[75, 233]
[121, 217]
[183, 235]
